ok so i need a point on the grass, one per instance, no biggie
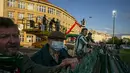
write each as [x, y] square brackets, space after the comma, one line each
[125, 51]
[125, 55]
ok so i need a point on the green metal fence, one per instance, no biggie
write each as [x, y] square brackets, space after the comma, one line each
[86, 65]
[108, 63]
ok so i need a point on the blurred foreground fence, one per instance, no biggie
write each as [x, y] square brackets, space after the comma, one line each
[99, 61]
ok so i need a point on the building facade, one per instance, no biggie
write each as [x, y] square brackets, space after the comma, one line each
[20, 11]
[100, 36]
[125, 36]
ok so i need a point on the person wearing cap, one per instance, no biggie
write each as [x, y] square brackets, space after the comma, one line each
[81, 48]
[54, 52]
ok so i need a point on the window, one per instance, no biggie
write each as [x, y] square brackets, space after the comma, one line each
[41, 8]
[63, 15]
[21, 5]
[20, 15]
[51, 10]
[38, 8]
[69, 18]
[30, 16]
[11, 14]
[38, 39]
[21, 37]
[29, 38]
[30, 6]
[20, 27]
[49, 19]
[39, 18]
[66, 17]
[58, 13]
[11, 3]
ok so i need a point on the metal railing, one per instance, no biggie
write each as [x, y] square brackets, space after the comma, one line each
[107, 63]
[86, 65]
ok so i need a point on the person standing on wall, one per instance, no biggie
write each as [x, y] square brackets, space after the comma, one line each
[51, 24]
[44, 21]
[57, 25]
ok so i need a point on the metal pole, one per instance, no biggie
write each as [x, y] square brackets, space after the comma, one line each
[114, 12]
[113, 30]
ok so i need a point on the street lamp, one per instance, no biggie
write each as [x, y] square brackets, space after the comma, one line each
[84, 22]
[114, 13]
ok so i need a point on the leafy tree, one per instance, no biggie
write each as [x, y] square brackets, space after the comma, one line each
[126, 41]
[116, 40]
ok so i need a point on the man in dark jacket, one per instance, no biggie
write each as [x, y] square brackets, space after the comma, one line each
[51, 24]
[11, 60]
[53, 53]
[57, 25]
[44, 21]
